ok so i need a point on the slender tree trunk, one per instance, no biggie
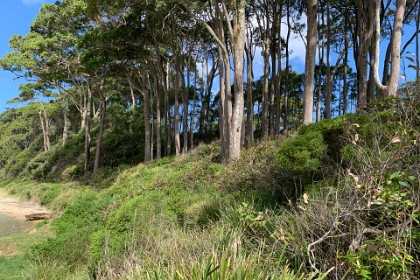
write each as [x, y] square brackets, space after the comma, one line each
[345, 84]
[176, 108]
[147, 128]
[192, 119]
[328, 86]
[223, 119]
[45, 123]
[370, 90]
[99, 140]
[167, 114]
[204, 67]
[185, 112]
[273, 86]
[66, 125]
[158, 122]
[392, 87]
[44, 132]
[209, 86]
[249, 127]
[319, 89]
[225, 105]
[265, 101]
[308, 101]
[385, 71]
[133, 98]
[287, 86]
[87, 127]
[277, 99]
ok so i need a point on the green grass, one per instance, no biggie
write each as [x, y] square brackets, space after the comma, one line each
[18, 263]
[13, 268]
[192, 218]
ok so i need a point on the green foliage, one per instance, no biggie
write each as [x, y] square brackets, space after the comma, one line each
[303, 153]
[253, 220]
[74, 229]
[380, 259]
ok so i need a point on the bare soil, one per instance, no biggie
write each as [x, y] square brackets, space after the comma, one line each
[17, 209]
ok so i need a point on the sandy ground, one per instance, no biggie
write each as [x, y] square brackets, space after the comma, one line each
[15, 208]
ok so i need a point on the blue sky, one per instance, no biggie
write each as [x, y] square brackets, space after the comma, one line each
[15, 18]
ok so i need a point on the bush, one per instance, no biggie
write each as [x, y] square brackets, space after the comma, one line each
[303, 153]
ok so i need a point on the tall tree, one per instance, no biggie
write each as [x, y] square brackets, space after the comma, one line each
[308, 102]
[391, 87]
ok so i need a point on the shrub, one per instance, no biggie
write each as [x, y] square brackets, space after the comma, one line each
[303, 153]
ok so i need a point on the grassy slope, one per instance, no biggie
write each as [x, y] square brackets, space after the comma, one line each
[189, 217]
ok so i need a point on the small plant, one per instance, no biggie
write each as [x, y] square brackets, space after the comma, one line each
[380, 258]
[394, 195]
[255, 221]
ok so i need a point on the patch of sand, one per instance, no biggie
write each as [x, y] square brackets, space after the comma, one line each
[15, 208]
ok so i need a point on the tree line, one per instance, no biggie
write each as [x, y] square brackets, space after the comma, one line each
[183, 71]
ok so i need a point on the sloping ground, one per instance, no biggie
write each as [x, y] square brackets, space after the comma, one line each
[332, 194]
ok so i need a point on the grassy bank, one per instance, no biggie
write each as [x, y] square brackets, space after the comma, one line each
[337, 199]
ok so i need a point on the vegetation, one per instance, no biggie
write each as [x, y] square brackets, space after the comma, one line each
[152, 174]
[350, 198]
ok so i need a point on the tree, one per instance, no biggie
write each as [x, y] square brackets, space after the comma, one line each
[308, 101]
[392, 85]
[230, 18]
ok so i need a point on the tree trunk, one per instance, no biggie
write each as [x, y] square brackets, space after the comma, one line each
[223, 119]
[392, 87]
[147, 128]
[87, 127]
[287, 86]
[277, 99]
[192, 119]
[176, 108]
[66, 125]
[273, 87]
[364, 11]
[45, 123]
[99, 140]
[204, 68]
[238, 40]
[168, 129]
[308, 101]
[319, 89]
[265, 101]
[185, 111]
[328, 86]
[249, 127]
[158, 122]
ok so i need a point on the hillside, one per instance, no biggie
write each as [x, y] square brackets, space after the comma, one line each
[339, 198]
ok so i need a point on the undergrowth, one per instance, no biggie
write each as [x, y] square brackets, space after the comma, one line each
[339, 199]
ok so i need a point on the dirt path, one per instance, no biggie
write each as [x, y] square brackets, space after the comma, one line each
[15, 208]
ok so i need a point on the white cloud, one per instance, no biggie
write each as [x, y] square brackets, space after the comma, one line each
[33, 2]
[296, 45]
[297, 49]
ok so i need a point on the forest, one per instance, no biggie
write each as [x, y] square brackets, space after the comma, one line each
[218, 139]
